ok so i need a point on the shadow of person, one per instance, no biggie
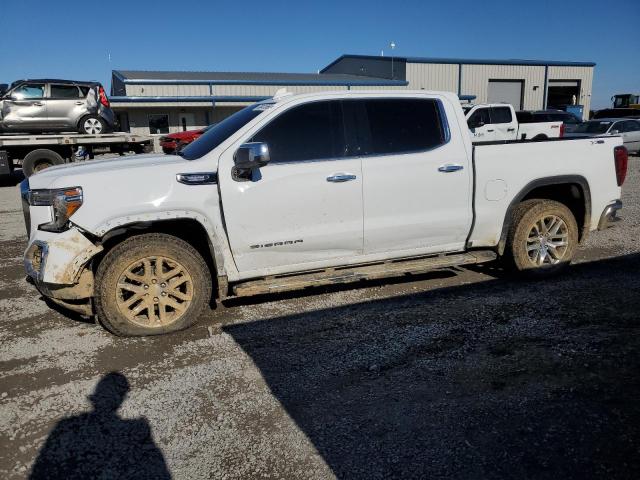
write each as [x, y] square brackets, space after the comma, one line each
[101, 444]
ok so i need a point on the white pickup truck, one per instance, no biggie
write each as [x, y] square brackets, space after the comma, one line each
[500, 122]
[305, 190]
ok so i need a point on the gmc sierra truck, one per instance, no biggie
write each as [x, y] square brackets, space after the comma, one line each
[306, 190]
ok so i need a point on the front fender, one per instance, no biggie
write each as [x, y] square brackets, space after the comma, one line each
[221, 253]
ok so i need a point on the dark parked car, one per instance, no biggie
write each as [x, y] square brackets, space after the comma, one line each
[616, 113]
[569, 120]
[48, 105]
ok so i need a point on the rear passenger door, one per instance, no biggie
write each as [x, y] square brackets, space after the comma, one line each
[65, 105]
[503, 123]
[416, 176]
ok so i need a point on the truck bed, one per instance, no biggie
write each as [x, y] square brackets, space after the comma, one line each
[564, 160]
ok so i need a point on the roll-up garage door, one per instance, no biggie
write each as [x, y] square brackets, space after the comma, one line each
[506, 91]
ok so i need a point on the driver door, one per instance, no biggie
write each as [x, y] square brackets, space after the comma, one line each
[480, 126]
[25, 108]
[304, 208]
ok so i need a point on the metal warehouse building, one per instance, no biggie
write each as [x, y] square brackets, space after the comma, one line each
[526, 84]
[159, 102]
[162, 102]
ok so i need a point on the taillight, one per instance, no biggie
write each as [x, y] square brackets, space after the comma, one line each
[103, 97]
[561, 130]
[621, 159]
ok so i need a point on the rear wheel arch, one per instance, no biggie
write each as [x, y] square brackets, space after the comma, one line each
[570, 190]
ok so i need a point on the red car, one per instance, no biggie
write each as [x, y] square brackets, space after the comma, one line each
[173, 141]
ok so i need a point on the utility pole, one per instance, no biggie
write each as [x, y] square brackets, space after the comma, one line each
[393, 46]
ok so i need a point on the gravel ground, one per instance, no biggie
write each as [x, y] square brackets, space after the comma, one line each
[464, 373]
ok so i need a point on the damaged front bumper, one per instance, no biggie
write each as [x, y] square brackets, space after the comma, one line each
[57, 265]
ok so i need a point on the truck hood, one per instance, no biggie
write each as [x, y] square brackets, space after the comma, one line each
[55, 176]
[129, 189]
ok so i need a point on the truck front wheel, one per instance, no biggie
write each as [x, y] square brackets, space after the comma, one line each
[151, 284]
[542, 238]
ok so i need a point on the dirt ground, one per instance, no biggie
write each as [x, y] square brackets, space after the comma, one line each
[464, 373]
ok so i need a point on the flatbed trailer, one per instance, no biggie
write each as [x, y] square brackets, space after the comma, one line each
[37, 152]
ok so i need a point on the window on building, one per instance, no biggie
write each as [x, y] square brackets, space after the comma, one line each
[501, 115]
[309, 132]
[64, 91]
[402, 125]
[158, 123]
[28, 90]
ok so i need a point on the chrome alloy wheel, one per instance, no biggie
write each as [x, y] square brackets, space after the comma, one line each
[548, 241]
[154, 291]
[92, 126]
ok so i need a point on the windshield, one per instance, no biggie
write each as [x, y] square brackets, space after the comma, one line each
[593, 127]
[219, 132]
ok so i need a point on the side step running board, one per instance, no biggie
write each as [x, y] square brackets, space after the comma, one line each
[392, 268]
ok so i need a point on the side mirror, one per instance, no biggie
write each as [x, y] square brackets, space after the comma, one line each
[251, 155]
[476, 124]
[3, 89]
[614, 132]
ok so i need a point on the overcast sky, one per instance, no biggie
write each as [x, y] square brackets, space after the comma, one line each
[73, 39]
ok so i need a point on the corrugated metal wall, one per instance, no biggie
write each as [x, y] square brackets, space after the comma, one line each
[475, 81]
[433, 76]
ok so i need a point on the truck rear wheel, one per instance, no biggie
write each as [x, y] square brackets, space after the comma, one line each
[151, 284]
[543, 237]
[38, 160]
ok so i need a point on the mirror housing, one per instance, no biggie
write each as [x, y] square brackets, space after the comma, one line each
[476, 124]
[614, 132]
[251, 155]
[4, 87]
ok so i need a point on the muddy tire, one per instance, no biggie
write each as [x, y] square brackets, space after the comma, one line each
[542, 238]
[151, 284]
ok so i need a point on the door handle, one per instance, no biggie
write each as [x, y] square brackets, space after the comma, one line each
[450, 167]
[511, 129]
[341, 177]
[37, 104]
[79, 103]
[490, 130]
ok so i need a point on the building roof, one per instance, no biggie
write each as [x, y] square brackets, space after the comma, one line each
[249, 78]
[469, 61]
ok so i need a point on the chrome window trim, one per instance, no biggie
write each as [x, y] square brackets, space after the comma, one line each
[444, 124]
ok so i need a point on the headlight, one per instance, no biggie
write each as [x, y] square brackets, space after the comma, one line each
[63, 201]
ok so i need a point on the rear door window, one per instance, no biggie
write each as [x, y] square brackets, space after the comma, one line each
[313, 131]
[401, 125]
[64, 91]
[501, 115]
